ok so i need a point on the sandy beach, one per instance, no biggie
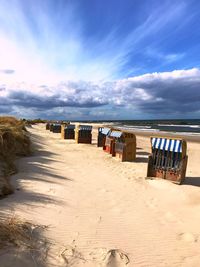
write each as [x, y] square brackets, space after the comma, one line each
[102, 212]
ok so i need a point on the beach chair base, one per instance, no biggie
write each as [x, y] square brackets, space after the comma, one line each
[101, 140]
[68, 136]
[175, 176]
[84, 140]
[107, 149]
[56, 130]
[125, 156]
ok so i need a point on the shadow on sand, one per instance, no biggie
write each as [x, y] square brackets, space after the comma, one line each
[195, 181]
[37, 167]
[141, 159]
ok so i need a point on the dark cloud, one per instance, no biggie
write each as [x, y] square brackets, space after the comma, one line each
[5, 109]
[173, 93]
[165, 93]
[31, 100]
[7, 71]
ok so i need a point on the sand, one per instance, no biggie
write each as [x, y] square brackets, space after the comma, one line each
[102, 212]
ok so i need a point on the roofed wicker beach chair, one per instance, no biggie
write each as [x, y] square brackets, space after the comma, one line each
[168, 159]
[102, 133]
[83, 134]
[125, 146]
[110, 141]
[68, 131]
[56, 128]
[51, 127]
[47, 126]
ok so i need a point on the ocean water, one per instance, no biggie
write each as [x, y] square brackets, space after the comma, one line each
[176, 126]
[191, 127]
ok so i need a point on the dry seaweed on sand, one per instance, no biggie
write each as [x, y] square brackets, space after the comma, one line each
[19, 237]
[19, 233]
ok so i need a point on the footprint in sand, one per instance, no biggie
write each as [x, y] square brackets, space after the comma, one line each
[170, 217]
[51, 190]
[188, 237]
[110, 258]
[103, 191]
[192, 261]
[152, 203]
[71, 256]
[116, 258]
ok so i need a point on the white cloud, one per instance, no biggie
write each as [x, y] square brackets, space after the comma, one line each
[175, 92]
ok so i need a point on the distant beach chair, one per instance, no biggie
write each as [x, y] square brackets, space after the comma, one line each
[125, 146]
[56, 128]
[83, 134]
[68, 131]
[168, 159]
[110, 141]
[47, 126]
[102, 133]
[51, 127]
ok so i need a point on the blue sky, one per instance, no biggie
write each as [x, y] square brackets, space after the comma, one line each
[100, 59]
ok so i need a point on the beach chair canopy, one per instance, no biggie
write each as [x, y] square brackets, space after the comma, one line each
[173, 145]
[70, 126]
[105, 131]
[116, 134]
[85, 127]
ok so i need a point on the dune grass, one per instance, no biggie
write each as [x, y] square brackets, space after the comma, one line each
[16, 235]
[15, 232]
[23, 240]
[14, 142]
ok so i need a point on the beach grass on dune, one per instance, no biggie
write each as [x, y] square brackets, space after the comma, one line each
[22, 239]
[14, 142]
[15, 232]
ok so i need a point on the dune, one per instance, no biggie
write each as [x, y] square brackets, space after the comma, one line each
[14, 142]
[102, 212]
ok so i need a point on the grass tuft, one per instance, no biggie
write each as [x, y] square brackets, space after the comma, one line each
[17, 233]
[14, 142]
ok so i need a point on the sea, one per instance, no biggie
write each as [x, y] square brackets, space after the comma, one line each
[183, 127]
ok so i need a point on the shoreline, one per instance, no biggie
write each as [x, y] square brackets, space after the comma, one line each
[188, 137]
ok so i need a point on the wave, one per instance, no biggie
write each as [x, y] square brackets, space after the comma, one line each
[179, 125]
[138, 128]
[153, 130]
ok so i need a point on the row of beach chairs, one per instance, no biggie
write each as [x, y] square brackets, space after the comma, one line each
[81, 133]
[168, 158]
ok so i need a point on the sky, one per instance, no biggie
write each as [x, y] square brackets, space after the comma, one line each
[100, 59]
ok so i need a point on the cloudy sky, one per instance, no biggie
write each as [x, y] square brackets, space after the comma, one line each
[100, 59]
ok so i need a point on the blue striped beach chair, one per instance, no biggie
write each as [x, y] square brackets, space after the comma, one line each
[168, 159]
[102, 133]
